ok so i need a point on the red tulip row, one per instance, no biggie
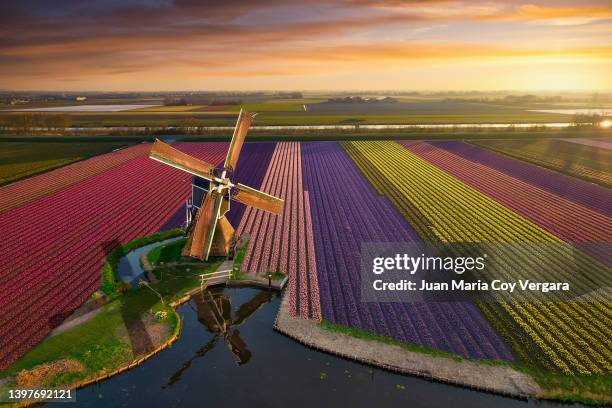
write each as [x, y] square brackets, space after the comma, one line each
[284, 243]
[54, 246]
[18, 194]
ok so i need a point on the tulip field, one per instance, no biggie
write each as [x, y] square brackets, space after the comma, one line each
[58, 226]
[588, 162]
[53, 247]
[284, 243]
[567, 220]
[590, 195]
[347, 211]
[570, 337]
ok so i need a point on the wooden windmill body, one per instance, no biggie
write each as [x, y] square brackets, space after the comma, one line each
[210, 232]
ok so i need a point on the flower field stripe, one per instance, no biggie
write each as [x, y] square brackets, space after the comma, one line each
[25, 191]
[58, 258]
[590, 195]
[590, 163]
[567, 220]
[251, 222]
[282, 243]
[45, 209]
[313, 280]
[452, 211]
[347, 211]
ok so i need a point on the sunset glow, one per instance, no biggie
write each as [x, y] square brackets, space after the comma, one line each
[337, 45]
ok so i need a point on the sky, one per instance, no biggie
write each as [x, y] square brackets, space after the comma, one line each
[208, 45]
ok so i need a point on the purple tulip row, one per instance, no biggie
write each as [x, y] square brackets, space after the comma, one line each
[590, 195]
[346, 211]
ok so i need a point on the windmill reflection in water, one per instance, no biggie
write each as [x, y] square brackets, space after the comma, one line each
[214, 310]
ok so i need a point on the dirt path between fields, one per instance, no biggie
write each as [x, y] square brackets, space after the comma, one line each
[497, 379]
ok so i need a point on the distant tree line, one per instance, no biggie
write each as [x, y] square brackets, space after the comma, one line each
[30, 121]
[175, 102]
[510, 99]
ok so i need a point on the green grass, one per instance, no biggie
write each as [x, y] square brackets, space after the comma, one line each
[237, 274]
[175, 281]
[166, 253]
[21, 160]
[278, 276]
[94, 343]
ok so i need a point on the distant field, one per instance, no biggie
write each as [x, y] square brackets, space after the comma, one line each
[269, 107]
[212, 118]
[291, 112]
[20, 160]
[406, 107]
[179, 108]
[83, 108]
[578, 160]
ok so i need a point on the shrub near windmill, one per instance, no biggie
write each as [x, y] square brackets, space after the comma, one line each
[210, 233]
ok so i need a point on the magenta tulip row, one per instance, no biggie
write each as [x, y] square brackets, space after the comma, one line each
[18, 194]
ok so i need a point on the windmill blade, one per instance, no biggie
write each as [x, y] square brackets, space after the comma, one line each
[201, 236]
[258, 199]
[242, 127]
[167, 154]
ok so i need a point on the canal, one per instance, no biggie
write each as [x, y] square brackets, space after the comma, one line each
[229, 355]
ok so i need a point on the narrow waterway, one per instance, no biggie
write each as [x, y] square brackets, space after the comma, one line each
[229, 355]
[129, 268]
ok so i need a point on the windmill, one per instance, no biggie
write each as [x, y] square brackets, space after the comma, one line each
[210, 233]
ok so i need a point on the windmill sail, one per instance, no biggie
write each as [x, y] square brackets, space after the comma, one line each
[167, 154]
[242, 127]
[258, 199]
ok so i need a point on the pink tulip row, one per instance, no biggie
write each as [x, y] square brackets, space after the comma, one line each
[18, 194]
[284, 243]
[54, 246]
